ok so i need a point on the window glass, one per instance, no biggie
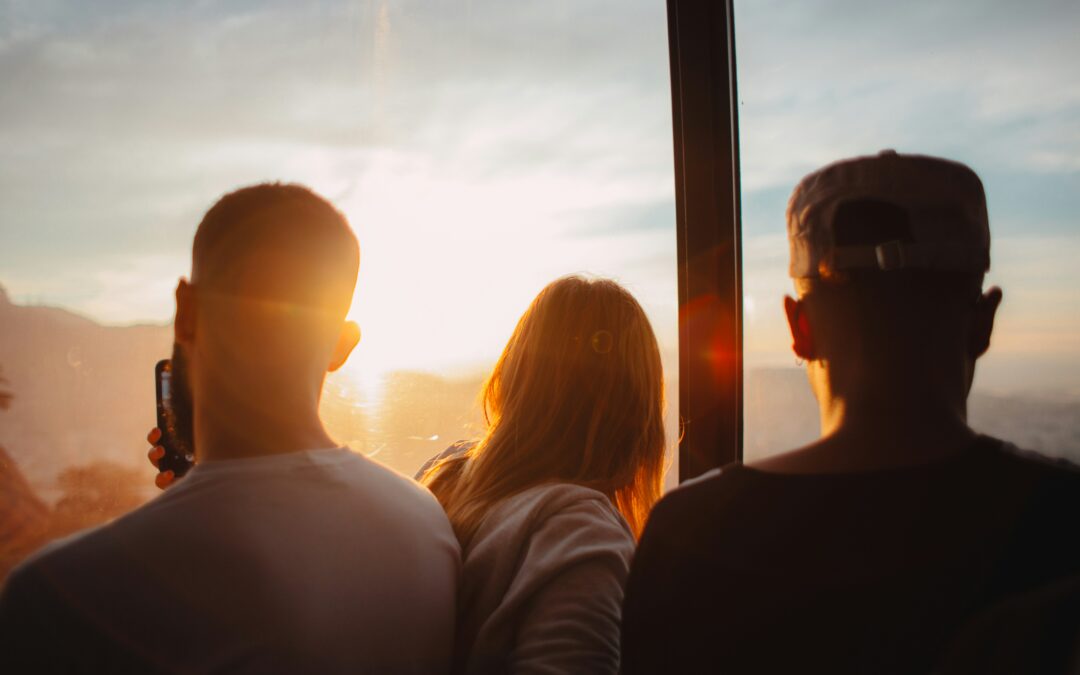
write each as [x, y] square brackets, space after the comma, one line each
[479, 148]
[992, 84]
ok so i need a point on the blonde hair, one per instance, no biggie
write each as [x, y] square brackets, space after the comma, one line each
[577, 396]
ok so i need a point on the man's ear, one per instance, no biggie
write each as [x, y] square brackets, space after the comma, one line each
[184, 323]
[347, 341]
[802, 341]
[982, 322]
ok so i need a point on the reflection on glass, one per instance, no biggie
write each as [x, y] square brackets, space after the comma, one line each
[990, 84]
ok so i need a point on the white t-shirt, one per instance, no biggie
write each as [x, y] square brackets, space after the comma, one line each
[315, 561]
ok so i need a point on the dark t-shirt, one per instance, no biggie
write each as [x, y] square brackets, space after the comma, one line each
[749, 571]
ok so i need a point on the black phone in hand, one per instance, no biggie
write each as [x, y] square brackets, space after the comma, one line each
[176, 458]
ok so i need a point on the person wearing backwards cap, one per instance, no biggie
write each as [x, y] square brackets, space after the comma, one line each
[901, 541]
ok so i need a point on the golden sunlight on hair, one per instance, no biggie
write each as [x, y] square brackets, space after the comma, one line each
[577, 396]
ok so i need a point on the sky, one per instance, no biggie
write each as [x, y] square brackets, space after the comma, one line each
[989, 83]
[481, 148]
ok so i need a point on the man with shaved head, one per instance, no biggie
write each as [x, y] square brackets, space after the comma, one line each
[279, 551]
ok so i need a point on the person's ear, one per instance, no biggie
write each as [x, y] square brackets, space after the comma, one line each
[184, 323]
[802, 341]
[347, 341]
[982, 322]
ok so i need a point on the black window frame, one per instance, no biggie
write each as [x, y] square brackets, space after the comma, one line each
[701, 43]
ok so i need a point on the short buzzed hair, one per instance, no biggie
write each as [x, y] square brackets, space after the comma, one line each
[279, 242]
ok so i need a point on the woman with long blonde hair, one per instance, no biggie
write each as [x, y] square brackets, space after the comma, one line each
[548, 503]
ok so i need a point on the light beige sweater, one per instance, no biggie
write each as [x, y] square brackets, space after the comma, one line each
[542, 585]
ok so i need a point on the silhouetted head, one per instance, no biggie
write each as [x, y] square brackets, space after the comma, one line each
[577, 396]
[263, 318]
[888, 256]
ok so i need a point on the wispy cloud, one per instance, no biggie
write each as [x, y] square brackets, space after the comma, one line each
[991, 83]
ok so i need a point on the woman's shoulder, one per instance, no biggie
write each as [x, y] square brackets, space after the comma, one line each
[534, 550]
[543, 533]
[555, 498]
[559, 517]
[458, 449]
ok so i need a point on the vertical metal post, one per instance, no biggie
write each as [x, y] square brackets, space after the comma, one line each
[704, 105]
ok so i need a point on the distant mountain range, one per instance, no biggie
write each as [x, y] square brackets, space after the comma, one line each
[83, 392]
[83, 402]
[73, 454]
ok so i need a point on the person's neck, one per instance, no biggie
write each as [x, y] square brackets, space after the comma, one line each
[871, 432]
[245, 433]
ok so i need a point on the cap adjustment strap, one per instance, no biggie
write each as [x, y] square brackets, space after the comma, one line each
[890, 256]
[897, 255]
